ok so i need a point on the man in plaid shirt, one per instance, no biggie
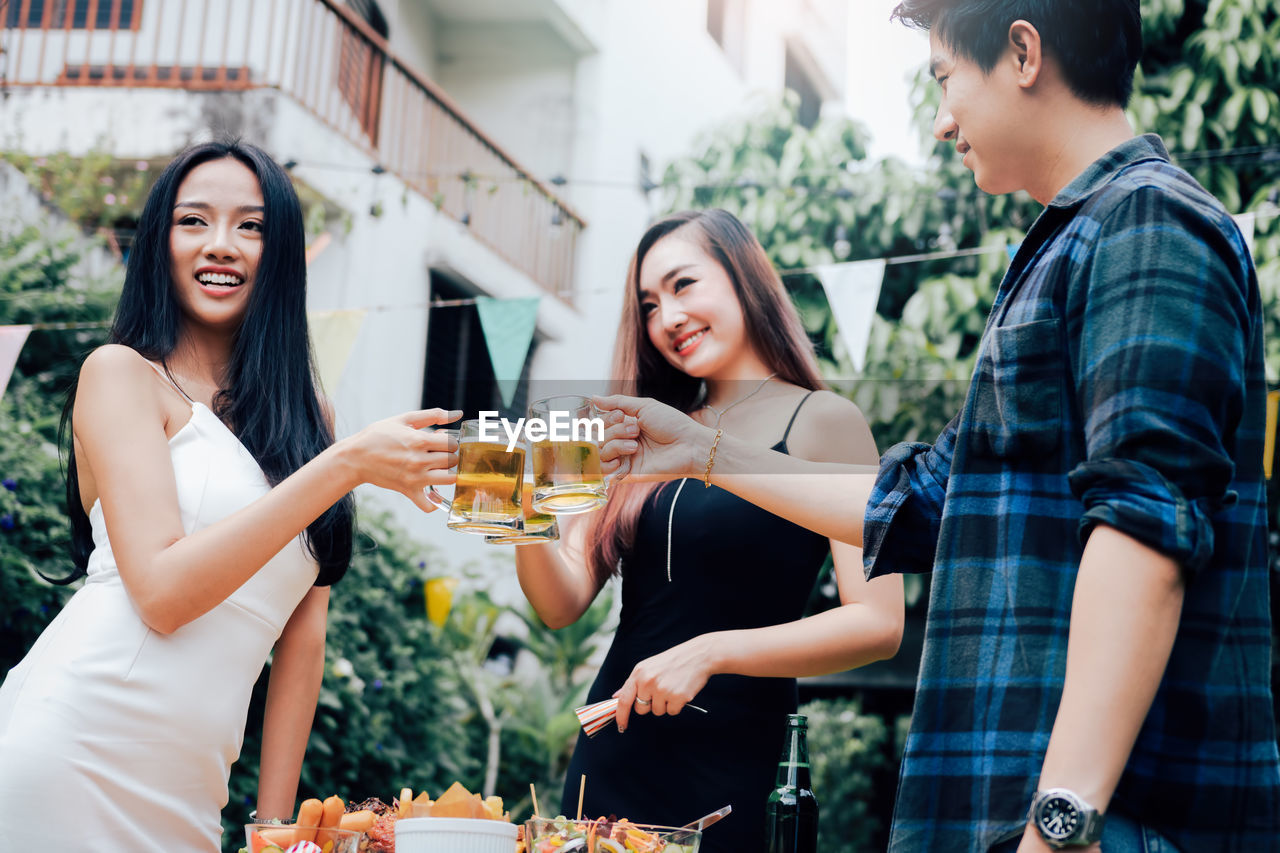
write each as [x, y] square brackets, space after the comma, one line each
[1097, 652]
[1095, 517]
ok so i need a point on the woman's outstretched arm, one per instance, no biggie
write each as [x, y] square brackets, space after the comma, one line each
[827, 497]
[119, 424]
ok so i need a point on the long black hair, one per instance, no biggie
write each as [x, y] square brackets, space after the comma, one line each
[271, 398]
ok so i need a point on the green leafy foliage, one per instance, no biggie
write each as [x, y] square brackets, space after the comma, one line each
[1208, 85]
[849, 752]
[42, 280]
[95, 190]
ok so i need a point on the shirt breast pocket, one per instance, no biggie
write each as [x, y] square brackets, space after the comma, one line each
[1017, 402]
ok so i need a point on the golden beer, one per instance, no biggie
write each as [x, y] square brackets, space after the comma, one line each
[567, 476]
[537, 527]
[486, 498]
[535, 521]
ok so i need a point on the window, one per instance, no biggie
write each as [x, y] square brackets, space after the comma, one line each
[74, 14]
[458, 372]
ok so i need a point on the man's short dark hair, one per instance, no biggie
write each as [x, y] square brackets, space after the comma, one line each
[1097, 43]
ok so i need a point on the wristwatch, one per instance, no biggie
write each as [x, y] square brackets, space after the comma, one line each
[1065, 820]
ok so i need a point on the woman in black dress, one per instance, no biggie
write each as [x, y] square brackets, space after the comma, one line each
[713, 588]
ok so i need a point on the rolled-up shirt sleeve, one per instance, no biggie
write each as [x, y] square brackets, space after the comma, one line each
[1163, 319]
[900, 527]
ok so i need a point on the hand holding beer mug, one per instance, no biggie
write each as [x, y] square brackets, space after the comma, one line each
[536, 526]
[662, 443]
[566, 473]
[486, 497]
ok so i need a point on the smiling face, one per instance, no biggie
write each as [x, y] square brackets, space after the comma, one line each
[691, 311]
[215, 242]
[984, 114]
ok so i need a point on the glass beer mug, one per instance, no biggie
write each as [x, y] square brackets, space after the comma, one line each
[536, 526]
[486, 497]
[566, 474]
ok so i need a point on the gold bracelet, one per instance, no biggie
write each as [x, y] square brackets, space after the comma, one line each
[711, 459]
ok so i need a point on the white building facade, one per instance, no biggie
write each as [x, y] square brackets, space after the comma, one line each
[478, 147]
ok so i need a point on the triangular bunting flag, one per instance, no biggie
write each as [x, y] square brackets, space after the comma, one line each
[508, 326]
[1244, 221]
[333, 333]
[853, 289]
[12, 339]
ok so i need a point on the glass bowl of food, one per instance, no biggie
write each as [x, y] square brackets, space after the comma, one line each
[288, 837]
[563, 835]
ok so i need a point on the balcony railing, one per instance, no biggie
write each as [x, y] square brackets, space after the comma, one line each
[321, 54]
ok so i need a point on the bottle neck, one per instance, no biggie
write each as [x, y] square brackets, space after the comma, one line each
[793, 769]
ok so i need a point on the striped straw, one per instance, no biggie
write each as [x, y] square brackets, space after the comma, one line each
[597, 716]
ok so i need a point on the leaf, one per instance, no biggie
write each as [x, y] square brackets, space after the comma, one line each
[1231, 65]
[1180, 85]
[1193, 119]
[1232, 110]
[1258, 106]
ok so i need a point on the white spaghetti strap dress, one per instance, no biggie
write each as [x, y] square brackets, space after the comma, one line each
[114, 737]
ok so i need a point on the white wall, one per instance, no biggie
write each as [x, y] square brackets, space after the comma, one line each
[413, 33]
[516, 82]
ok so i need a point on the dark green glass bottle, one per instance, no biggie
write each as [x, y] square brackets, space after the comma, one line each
[792, 811]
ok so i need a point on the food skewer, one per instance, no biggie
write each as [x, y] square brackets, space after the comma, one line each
[533, 793]
[582, 789]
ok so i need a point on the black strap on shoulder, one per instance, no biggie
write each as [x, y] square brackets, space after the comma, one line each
[791, 422]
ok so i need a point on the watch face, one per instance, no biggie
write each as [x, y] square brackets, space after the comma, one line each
[1058, 818]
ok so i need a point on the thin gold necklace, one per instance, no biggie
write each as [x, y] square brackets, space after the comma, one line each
[719, 416]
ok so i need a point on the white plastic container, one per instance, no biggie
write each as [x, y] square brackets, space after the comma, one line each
[454, 835]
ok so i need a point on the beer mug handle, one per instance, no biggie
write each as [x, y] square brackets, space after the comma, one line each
[438, 499]
[430, 491]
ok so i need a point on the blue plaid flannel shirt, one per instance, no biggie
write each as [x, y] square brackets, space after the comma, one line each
[1120, 382]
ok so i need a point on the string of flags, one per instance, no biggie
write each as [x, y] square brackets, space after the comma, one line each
[852, 289]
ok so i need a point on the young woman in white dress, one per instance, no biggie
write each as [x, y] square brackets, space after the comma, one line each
[211, 511]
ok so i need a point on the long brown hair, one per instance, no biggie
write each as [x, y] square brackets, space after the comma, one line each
[773, 328]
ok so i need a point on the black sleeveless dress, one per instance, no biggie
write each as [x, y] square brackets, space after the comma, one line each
[733, 566]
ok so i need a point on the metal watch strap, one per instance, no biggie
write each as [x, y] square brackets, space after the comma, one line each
[1090, 829]
[1091, 833]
